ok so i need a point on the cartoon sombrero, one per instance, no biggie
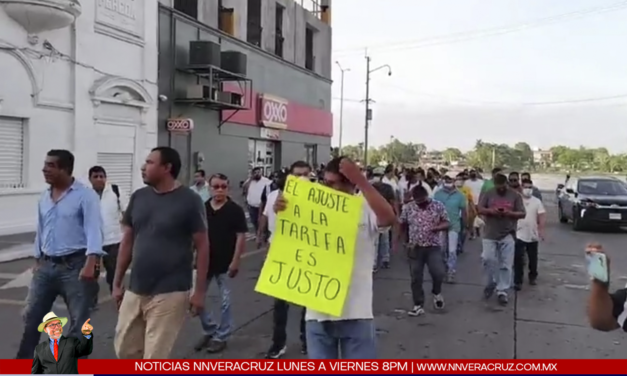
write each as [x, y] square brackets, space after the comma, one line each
[51, 316]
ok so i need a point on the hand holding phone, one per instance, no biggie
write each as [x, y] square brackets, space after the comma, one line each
[597, 264]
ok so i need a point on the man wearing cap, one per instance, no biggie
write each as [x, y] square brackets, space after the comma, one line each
[59, 355]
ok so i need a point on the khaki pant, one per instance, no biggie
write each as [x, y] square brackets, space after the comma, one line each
[149, 325]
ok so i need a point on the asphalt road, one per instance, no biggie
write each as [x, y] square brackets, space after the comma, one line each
[546, 321]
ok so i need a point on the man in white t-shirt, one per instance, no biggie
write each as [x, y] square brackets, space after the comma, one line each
[253, 189]
[475, 183]
[352, 335]
[267, 221]
[529, 232]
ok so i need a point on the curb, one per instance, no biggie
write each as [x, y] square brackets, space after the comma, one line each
[16, 253]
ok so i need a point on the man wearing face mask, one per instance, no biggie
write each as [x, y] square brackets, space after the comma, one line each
[501, 207]
[423, 219]
[455, 203]
[529, 232]
[536, 192]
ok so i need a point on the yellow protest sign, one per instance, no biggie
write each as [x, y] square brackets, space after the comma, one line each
[311, 256]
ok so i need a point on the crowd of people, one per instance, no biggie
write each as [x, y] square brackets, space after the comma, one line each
[167, 229]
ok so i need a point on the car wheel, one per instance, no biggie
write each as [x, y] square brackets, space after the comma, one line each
[577, 222]
[560, 214]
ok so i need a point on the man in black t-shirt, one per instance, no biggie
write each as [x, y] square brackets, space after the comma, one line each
[227, 227]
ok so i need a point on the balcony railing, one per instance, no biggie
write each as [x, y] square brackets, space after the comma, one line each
[313, 6]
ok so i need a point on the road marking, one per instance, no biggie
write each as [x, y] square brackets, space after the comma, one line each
[23, 280]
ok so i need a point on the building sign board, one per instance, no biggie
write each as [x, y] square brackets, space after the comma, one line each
[269, 134]
[273, 111]
[180, 125]
[126, 16]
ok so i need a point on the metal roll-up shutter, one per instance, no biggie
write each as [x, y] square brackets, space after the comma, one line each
[11, 153]
[119, 168]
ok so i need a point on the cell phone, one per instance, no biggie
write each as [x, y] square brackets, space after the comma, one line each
[597, 266]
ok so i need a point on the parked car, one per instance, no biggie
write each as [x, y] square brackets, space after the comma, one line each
[593, 202]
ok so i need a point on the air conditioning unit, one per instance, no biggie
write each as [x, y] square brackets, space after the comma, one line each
[234, 62]
[230, 98]
[199, 92]
[204, 53]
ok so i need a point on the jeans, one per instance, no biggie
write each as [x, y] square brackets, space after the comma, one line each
[498, 261]
[522, 248]
[109, 261]
[462, 239]
[343, 339]
[279, 318]
[253, 212]
[51, 279]
[383, 249]
[418, 258]
[221, 331]
[450, 239]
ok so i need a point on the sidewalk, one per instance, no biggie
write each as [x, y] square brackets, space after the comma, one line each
[16, 247]
[20, 246]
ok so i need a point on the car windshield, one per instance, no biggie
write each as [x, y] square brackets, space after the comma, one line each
[602, 187]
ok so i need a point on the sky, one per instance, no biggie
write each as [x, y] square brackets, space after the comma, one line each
[464, 70]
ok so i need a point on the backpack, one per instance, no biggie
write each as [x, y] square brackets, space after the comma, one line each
[116, 190]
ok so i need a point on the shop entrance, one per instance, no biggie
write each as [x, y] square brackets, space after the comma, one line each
[262, 153]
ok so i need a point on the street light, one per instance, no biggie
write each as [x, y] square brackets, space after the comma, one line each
[342, 70]
[368, 112]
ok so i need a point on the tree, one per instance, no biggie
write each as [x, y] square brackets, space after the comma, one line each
[487, 155]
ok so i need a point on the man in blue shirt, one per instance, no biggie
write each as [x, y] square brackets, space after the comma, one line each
[455, 203]
[68, 247]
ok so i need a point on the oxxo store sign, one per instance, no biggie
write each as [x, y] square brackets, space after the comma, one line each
[273, 111]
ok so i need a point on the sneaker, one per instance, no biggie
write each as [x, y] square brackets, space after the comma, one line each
[438, 301]
[276, 351]
[532, 281]
[303, 349]
[202, 343]
[385, 265]
[502, 298]
[450, 278]
[416, 311]
[216, 346]
[517, 286]
[488, 291]
[375, 269]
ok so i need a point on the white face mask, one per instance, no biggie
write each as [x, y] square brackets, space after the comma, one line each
[448, 185]
[527, 192]
[459, 184]
[305, 178]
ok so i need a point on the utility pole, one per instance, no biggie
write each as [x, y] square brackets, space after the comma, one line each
[368, 114]
[342, 70]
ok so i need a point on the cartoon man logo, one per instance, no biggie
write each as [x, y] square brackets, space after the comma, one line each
[59, 354]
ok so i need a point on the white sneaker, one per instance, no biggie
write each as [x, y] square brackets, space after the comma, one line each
[416, 311]
[438, 301]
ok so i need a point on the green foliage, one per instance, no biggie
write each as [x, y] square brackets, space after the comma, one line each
[488, 155]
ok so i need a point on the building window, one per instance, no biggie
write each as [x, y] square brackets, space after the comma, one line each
[253, 25]
[278, 36]
[119, 168]
[311, 155]
[189, 7]
[12, 156]
[310, 59]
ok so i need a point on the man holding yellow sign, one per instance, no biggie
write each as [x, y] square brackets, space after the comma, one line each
[321, 257]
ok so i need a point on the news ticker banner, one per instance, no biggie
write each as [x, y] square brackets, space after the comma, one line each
[344, 367]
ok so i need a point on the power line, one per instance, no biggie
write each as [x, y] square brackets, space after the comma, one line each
[483, 33]
[501, 103]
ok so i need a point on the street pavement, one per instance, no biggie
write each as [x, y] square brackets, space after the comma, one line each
[546, 321]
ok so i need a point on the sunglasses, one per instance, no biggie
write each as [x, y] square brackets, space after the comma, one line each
[219, 186]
